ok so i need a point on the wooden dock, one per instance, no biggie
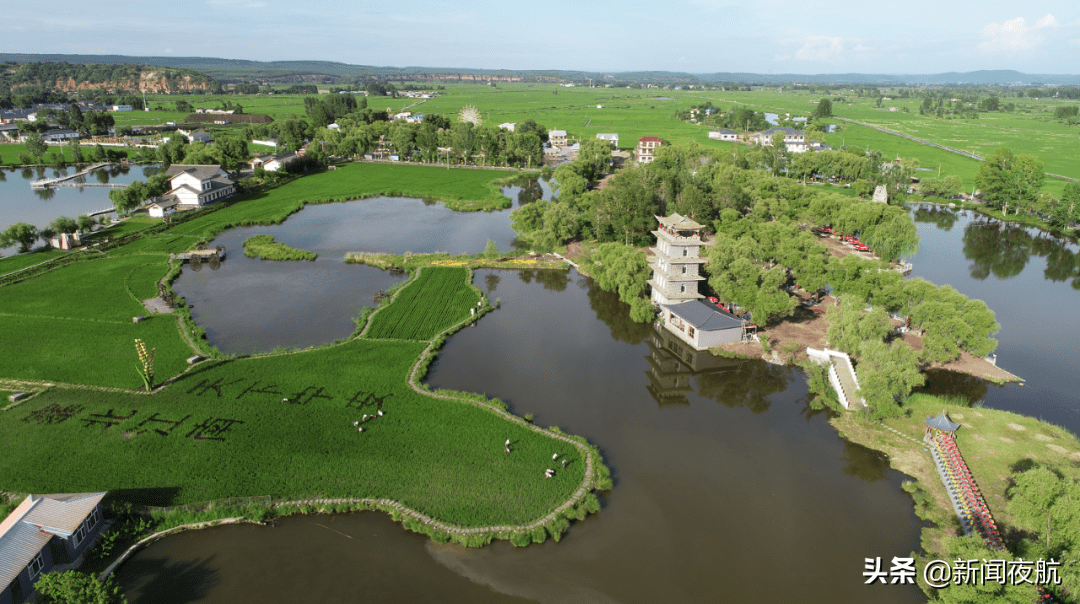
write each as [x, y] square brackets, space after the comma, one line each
[51, 182]
[200, 255]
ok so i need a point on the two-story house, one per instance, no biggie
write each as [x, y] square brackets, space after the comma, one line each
[794, 140]
[198, 185]
[557, 138]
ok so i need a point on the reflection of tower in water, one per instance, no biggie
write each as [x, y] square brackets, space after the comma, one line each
[672, 364]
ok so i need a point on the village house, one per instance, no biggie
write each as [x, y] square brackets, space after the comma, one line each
[278, 161]
[163, 208]
[121, 108]
[194, 186]
[45, 533]
[724, 134]
[646, 149]
[55, 136]
[557, 138]
[794, 140]
[609, 137]
[202, 136]
[508, 126]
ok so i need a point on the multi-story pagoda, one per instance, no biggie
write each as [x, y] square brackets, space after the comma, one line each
[675, 262]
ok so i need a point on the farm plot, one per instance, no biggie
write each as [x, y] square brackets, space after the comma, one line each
[436, 299]
[283, 426]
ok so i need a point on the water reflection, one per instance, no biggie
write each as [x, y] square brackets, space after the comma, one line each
[528, 189]
[553, 280]
[614, 312]
[45, 193]
[863, 463]
[491, 282]
[160, 579]
[936, 215]
[942, 382]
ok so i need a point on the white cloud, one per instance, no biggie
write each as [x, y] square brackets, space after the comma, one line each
[819, 48]
[1015, 34]
[1047, 21]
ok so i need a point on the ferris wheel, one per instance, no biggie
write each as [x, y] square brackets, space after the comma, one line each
[469, 113]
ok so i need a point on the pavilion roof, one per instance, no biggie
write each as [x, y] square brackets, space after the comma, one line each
[679, 223]
[942, 423]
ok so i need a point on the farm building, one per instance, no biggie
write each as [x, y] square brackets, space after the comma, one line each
[702, 324]
[724, 134]
[45, 533]
[557, 138]
[161, 209]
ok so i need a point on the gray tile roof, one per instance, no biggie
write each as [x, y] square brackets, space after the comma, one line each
[704, 315]
[20, 536]
[198, 171]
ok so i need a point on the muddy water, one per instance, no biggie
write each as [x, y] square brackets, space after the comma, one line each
[728, 486]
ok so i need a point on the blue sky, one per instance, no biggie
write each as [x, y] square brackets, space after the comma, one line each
[698, 36]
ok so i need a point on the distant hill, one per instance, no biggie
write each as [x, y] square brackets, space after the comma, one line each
[70, 77]
[238, 70]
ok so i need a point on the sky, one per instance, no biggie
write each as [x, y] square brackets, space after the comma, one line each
[695, 36]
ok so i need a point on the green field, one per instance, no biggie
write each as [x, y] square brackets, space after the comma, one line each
[73, 324]
[224, 430]
[633, 113]
[278, 425]
[11, 264]
[437, 299]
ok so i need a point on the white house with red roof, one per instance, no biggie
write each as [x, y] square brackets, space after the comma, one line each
[646, 149]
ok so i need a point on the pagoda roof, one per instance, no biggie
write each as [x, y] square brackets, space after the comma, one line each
[942, 423]
[680, 223]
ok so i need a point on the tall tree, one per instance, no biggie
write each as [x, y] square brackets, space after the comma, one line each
[22, 233]
[823, 109]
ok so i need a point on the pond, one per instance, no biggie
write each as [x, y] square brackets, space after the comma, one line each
[21, 203]
[728, 486]
[250, 305]
[1031, 280]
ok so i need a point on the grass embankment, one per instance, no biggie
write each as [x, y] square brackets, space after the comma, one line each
[264, 247]
[282, 425]
[414, 261]
[994, 444]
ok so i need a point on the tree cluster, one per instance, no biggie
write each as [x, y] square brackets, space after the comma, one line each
[1047, 505]
[1008, 180]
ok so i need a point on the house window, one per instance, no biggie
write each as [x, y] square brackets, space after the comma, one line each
[93, 518]
[682, 288]
[690, 331]
[35, 565]
[79, 534]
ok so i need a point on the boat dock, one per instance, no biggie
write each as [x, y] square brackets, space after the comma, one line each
[50, 182]
[200, 255]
